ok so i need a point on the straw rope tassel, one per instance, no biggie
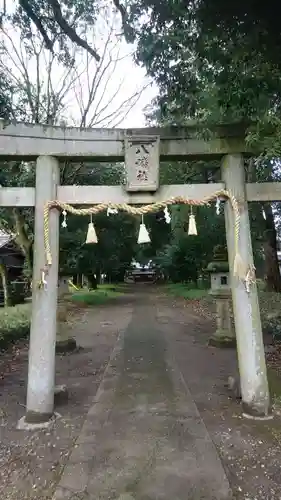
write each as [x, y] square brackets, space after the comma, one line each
[143, 233]
[47, 235]
[238, 265]
[192, 229]
[91, 234]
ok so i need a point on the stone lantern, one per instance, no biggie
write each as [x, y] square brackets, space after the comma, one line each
[64, 341]
[63, 286]
[224, 335]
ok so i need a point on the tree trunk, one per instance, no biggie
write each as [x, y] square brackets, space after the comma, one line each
[28, 262]
[272, 271]
[4, 278]
[92, 281]
[23, 241]
[98, 276]
[77, 280]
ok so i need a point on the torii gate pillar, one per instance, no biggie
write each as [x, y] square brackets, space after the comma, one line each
[41, 369]
[251, 358]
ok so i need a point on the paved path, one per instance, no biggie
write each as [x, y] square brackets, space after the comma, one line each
[143, 438]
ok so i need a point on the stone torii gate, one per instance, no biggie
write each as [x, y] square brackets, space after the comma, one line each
[141, 149]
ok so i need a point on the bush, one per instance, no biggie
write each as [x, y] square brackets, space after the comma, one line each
[14, 323]
[272, 325]
[270, 307]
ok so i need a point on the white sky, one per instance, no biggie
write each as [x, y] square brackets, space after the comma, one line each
[136, 116]
[117, 81]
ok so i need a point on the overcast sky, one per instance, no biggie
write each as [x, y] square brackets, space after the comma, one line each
[117, 81]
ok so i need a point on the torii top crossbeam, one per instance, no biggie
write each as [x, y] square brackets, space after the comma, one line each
[27, 142]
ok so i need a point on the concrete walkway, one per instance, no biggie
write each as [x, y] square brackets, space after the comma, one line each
[143, 438]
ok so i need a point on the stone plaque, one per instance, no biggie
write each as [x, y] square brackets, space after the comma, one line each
[142, 163]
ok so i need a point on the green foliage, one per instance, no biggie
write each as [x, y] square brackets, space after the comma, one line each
[270, 307]
[96, 297]
[19, 221]
[117, 234]
[5, 96]
[185, 257]
[111, 255]
[267, 131]
[209, 67]
[14, 323]
[213, 62]
[160, 234]
[217, 63]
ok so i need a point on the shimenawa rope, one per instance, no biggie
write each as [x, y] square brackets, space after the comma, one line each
[239, 267]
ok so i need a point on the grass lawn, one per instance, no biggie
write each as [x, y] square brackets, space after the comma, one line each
[185, 291]
[270, 302]
[113, 287]
[103, 294]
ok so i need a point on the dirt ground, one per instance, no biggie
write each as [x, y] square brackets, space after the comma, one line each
[250, 450]
[31, 463]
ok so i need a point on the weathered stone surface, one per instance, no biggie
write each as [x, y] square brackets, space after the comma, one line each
[41, 369]
[252, 365]
[61, 394]
[234, 386]
[65, 345]
[29, 141]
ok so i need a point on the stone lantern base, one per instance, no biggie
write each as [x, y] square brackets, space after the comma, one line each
[64, 343]
[224, 335]
[221, 341]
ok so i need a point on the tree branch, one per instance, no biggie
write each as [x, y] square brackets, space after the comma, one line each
[25, 5]
[94, 85]
[68, 30]
[21, 235]
[128, 30]
[60, 20]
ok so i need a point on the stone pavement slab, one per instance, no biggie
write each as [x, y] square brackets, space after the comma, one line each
[143, 438]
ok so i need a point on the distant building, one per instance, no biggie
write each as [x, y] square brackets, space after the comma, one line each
[139, 273]
[13, 259]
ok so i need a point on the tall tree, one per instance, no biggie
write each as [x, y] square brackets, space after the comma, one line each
[72, 88]
[69, 88]
[212, 69]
